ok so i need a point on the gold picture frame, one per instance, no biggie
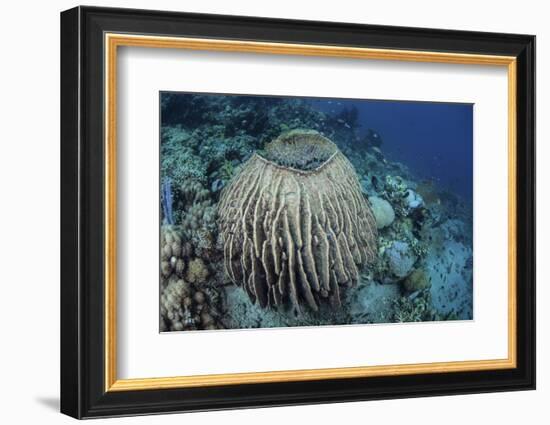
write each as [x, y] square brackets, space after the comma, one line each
[114, 41]
[91, 42]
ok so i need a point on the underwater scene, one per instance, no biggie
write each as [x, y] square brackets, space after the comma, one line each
[294, 211]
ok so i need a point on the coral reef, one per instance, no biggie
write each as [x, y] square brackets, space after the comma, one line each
[296, 235]
[247, 196]
[172, 253]
[449, 266]
[372, 138]
[396, 192]
[413, 200]
[417, 281]
[184, 303]
[373, 302]
[413, 309]
[197, 272]
[401, 258]
[183, 308]
[198, 217]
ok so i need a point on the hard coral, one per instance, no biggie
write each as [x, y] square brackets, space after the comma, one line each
[172, 255]
[295, 224]
[383, 212]
[184, 308]
[401, 258]
[418, 309]
[197, 272]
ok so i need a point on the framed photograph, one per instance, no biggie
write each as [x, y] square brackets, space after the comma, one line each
[261, 212]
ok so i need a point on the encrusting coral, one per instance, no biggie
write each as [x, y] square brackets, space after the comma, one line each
[295, 224]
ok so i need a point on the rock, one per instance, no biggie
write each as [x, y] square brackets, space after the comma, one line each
[400, 258]
[383, 212]
[416, 281]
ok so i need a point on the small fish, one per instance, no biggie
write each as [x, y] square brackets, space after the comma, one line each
[372, 138]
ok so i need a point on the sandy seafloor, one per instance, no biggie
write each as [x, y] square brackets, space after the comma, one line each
[204, 143]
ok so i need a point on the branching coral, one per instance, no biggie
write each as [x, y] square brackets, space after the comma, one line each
[293, 233]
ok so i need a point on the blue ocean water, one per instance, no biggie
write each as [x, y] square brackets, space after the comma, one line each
[435, 140]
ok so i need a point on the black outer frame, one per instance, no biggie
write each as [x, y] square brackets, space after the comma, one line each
[82, 212]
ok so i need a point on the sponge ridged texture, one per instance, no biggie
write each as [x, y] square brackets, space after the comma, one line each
[296, 235]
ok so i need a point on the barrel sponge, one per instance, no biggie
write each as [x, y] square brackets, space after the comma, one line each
[295, 225]
[300, 149]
